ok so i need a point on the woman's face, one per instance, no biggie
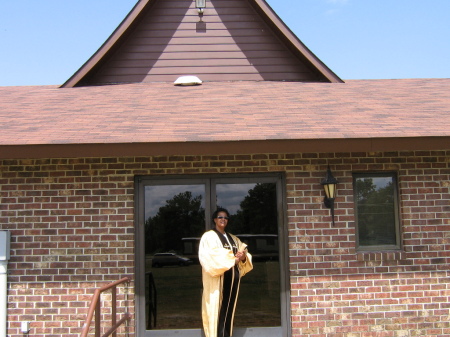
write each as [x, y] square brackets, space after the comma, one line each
[221, 221]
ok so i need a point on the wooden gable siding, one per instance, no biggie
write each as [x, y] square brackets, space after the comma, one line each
[229, 42]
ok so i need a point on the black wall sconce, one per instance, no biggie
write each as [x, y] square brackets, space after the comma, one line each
[329, 185]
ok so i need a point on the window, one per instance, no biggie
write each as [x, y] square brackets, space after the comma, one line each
[376, 211]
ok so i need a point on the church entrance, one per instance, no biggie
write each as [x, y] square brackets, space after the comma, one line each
[172, 215]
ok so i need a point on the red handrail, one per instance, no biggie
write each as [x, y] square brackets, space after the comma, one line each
[95, 307]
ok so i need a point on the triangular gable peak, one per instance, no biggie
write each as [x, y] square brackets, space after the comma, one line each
[233, 40]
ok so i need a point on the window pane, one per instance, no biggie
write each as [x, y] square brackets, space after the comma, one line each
[375, 206]
[173, 214]
[253, 218]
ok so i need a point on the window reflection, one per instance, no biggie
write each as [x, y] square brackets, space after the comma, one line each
[375, 206]
[174, 223]
[173, 281]
[254, 219]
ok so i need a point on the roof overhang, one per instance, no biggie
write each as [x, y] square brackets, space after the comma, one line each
[118, 34]
[297, 47]
[226, 147]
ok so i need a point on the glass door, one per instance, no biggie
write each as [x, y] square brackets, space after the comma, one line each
[254, 219]
[173, 214]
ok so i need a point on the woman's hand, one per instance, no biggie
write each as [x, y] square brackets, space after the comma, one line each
[240, 256]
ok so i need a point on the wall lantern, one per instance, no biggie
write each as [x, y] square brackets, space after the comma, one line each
[200, 4]
[329, 185]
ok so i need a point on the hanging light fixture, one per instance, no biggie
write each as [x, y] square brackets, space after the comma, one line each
[200, 4]
[329, 185]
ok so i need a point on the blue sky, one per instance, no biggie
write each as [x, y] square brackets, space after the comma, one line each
[46, 41]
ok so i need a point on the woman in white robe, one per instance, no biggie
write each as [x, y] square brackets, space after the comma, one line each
[217, 257]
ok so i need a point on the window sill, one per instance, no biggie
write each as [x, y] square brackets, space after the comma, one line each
[380, 255]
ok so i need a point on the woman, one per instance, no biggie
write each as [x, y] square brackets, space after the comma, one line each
[224, 259]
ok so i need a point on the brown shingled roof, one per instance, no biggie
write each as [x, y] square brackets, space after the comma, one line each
[157, 113]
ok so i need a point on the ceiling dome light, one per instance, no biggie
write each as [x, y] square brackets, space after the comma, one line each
[188, 80]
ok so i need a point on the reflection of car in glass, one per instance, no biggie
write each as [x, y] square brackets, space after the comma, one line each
[169, 259]
[263, 247]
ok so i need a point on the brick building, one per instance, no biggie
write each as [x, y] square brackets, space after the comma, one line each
[97, 179]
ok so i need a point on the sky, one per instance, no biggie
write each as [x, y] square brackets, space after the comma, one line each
[229, 196]
[44, 42]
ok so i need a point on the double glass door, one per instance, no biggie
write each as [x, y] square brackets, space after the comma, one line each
[173, 214]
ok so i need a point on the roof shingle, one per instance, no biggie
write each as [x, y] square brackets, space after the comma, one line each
[224, 111]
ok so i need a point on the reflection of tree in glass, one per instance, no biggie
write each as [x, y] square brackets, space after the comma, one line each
[258, 212]
[182, 216]
[364, 187]
[376, 216]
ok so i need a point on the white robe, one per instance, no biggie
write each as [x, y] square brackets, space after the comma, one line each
[215, 261]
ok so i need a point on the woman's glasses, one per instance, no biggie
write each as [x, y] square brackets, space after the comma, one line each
[223, 217]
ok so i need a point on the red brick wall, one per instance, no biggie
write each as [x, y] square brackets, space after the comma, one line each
[72, 230]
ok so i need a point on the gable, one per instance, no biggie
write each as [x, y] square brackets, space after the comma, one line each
[234, 40]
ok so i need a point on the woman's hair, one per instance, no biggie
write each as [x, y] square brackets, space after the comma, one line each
[217, 211]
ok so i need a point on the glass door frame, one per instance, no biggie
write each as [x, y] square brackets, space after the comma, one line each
[210, 182]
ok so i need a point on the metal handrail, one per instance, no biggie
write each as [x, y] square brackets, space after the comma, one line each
[95, 307]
